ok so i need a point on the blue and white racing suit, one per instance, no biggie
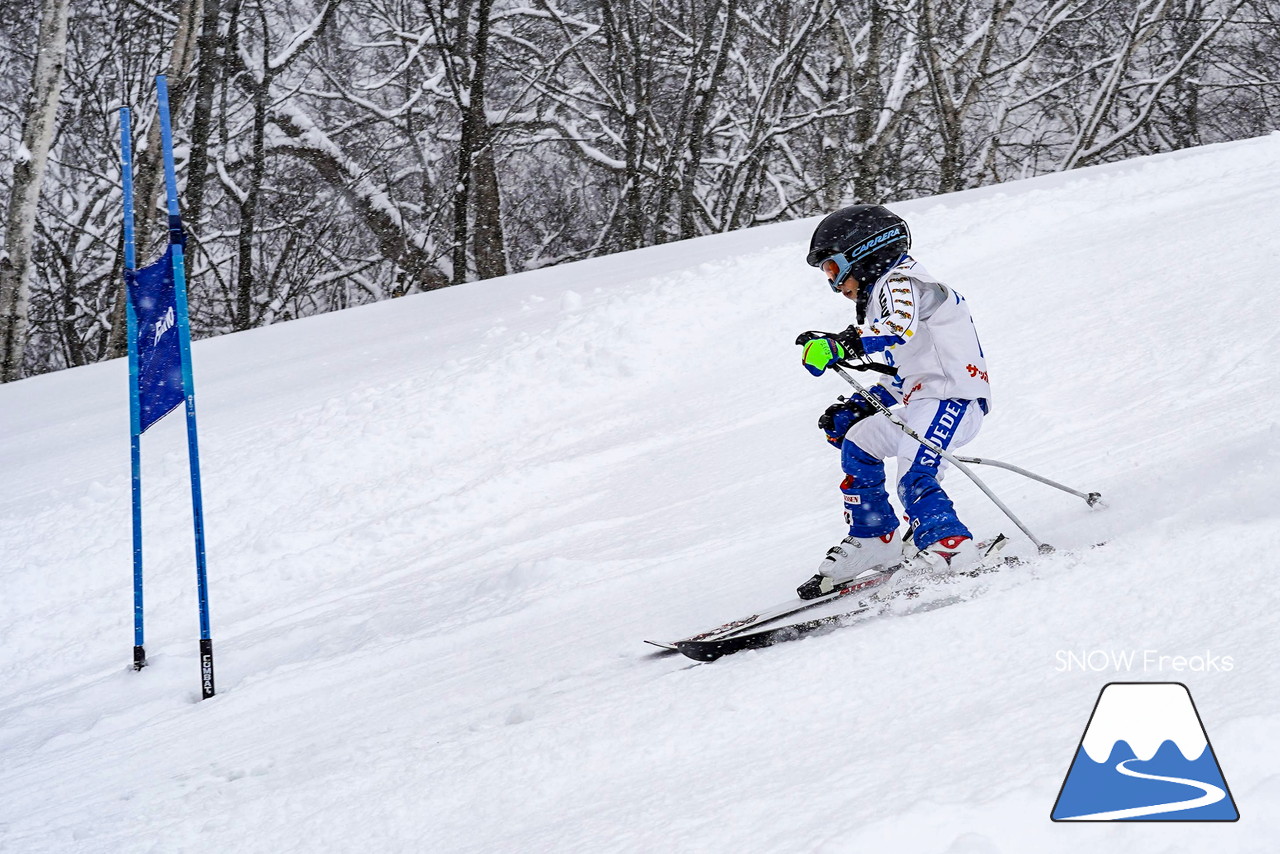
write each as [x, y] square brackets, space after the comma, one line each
[923, 328]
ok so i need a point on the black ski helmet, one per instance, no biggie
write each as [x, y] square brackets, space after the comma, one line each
[871, 237]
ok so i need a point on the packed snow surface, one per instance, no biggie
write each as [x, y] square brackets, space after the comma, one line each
[439, 529]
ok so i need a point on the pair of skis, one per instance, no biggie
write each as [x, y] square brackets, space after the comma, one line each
[869, 590]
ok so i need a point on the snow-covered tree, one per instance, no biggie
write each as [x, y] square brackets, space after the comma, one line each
[38, 128]
[337, 152]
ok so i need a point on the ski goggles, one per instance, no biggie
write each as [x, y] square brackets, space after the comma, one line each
[837, 267]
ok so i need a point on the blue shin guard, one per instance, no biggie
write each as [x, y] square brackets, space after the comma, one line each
[866, 502]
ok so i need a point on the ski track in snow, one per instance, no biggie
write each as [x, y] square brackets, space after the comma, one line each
[440, 527]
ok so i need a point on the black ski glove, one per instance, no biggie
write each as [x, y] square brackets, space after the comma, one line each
[842, 415]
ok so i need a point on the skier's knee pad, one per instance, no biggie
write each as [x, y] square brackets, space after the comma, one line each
[929, 506]
[918, 484]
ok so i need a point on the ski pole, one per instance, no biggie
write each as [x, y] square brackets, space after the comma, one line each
[1042, 547]
[1093, 499]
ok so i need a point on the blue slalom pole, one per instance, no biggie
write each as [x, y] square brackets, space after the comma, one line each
[178, 240]
[135, 417]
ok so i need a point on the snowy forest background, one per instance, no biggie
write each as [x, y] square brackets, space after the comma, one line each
[339, 152]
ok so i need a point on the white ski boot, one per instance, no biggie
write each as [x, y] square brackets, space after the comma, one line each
[948, 556]
[852, 557]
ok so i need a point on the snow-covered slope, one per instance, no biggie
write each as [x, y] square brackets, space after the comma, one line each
[440, 527]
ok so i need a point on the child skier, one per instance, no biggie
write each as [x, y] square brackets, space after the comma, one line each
[914, 323]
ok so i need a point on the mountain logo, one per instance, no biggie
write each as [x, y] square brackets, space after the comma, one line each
[1145, 756]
